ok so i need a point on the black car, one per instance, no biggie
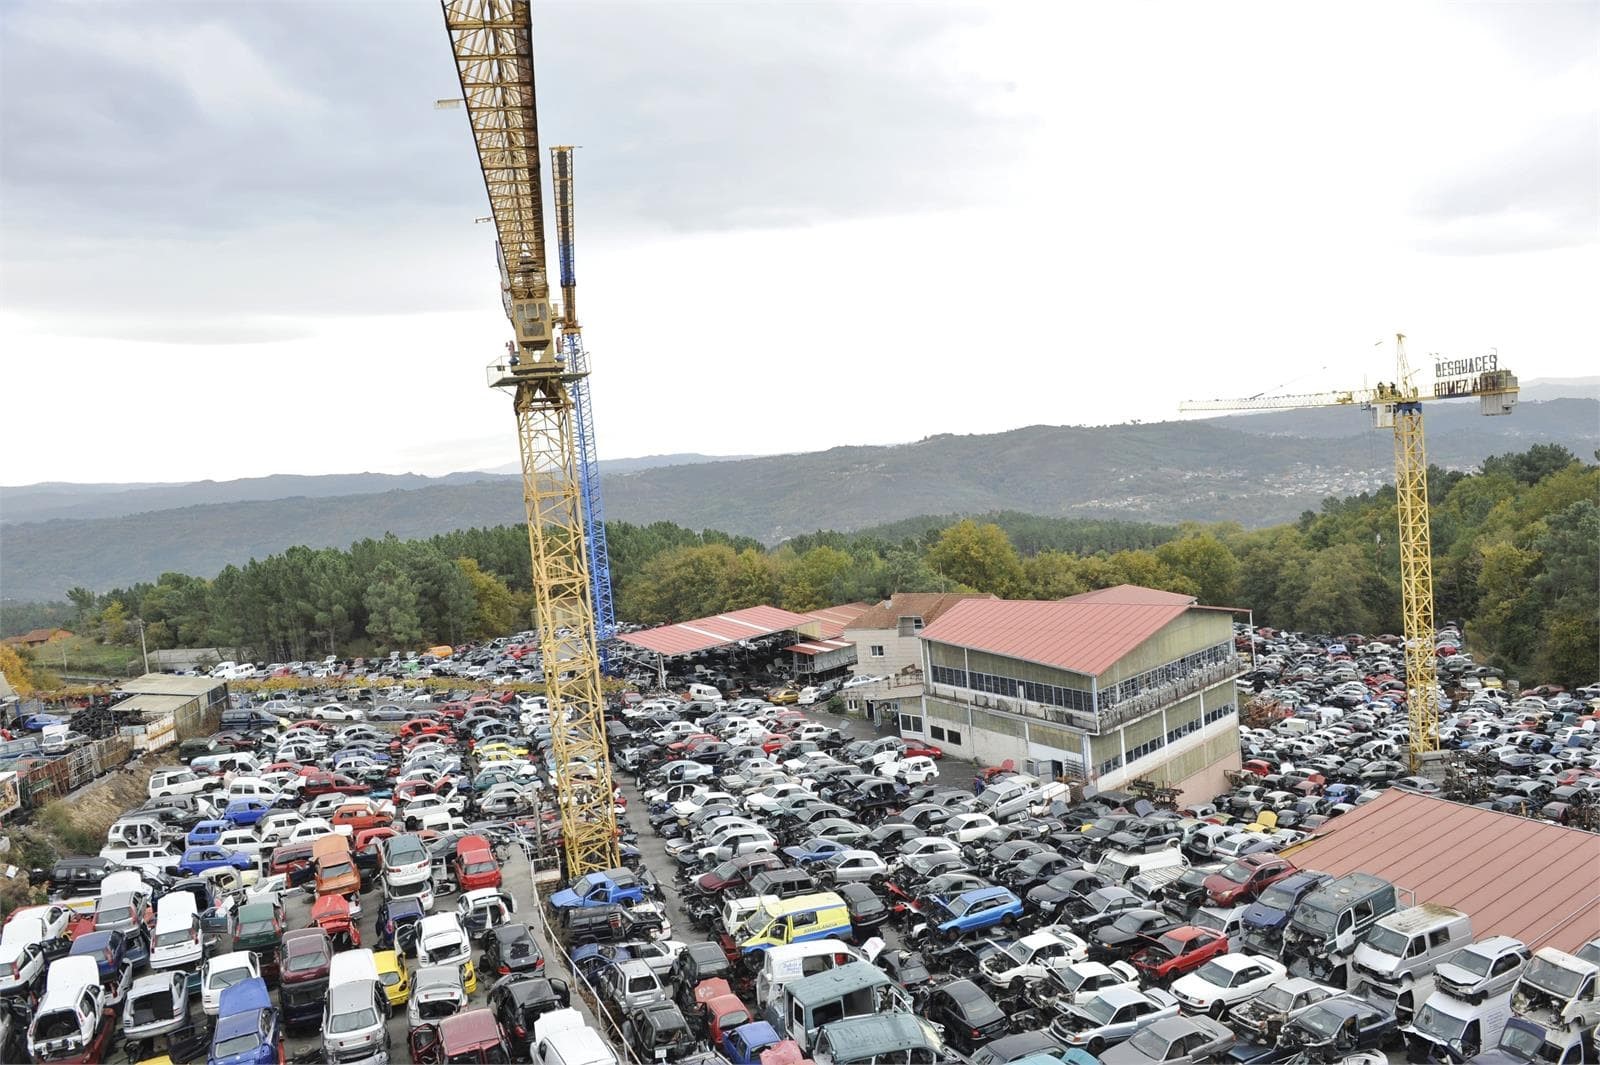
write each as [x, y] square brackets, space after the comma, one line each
[1034, 870]
[1054, 894]
[510, 949]
[1131, 932]
[610, 923]
[905, 967]
[1338, 1027]
[867, 910]
[1011, 1048]
[694, 963]
[518, 1000]
[658, 1031]
[970, 1017]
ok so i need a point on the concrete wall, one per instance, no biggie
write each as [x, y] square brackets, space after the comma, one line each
[898, 651]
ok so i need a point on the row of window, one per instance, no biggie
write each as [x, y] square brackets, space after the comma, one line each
[911, 723]
[1175, 670]
[1148, 747]
[949, 735]
[994, 684]
[1176, 734]
[1114, 762]
[1219, 713]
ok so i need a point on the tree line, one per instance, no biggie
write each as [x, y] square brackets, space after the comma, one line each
[1514, 544]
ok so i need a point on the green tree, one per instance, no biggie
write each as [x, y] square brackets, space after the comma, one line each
[816, 579]
[114, 623]
[393, 610]
[978, 556]
[1207, 562]
[496, 612]
[751, 580]
[1053, 575]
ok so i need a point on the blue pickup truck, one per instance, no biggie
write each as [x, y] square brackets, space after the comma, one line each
[620, 886]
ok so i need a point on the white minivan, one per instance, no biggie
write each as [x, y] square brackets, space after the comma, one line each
[178, 942]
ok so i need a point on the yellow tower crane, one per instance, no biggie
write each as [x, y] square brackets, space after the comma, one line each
[492, 41]
[1398, 405]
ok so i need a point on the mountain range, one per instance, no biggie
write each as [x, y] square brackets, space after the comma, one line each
[1256, 469]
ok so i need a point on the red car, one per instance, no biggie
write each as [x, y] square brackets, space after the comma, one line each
[914, 748]
[1180, 951]
[1242, 880]
[423, 726]
[475, 866]
[322, 782]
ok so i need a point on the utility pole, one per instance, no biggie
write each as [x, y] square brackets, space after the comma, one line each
[142, 649]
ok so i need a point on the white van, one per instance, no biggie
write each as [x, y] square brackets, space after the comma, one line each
[178, 943]
[1122, 866]
[793, 961]
[165, 782]
[357, 1007]
[705, 692]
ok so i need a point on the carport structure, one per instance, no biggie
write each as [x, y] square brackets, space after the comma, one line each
[718, 630]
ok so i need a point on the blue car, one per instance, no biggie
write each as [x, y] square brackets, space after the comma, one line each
[109, 949]
[247, 811]
[248, 1030]
[197, 860]
[40, 722]
[1269, 913]
[207, 832]
[743, 1045]
[815, 850]
[976, 909]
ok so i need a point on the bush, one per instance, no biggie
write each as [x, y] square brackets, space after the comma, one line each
[71, 829]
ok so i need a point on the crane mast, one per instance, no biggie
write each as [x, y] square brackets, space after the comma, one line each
[492, 43]
[571, 340]
[1397, 405]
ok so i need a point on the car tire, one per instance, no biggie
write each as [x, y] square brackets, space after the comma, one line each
[1009, 920]
[1216, 1010]
[1096, 1045]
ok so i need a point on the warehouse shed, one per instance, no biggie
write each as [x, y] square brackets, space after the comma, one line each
[1515, 876]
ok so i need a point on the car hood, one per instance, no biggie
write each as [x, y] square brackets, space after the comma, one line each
[1259, 915]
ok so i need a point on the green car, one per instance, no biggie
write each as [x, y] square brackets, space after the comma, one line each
[258, 927]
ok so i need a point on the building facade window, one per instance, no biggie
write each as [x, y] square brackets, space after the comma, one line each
[911, 723]
[1049, 694]
[935, 732]
[952, 736]
[1176, 670]
[1219, 712]
[1173, 735]
[876, 650]
[1114, 762]
[1150, 746]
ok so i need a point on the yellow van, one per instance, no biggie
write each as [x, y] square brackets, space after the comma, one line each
[777, 922]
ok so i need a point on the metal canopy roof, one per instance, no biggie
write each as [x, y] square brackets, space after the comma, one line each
[1512, 875]
[687, 637]
[819, 647]
[1085, 634]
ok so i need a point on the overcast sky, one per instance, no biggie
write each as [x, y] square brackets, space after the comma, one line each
[237, 239]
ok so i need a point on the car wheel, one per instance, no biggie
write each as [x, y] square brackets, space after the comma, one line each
[1096, 1045]
[1009, 920]
[1016, 986]
[952, 935]
[1215, 1010]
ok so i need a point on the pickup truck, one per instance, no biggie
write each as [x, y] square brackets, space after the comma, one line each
[619, 886]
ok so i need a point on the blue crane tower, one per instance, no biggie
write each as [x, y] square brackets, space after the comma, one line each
[577, 360]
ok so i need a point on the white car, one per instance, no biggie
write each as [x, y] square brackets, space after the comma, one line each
[911, 848]
[1083, 980]
[965, 828]
[224, 971]
[1225, 982]
[1031, 958]
[309, 829]
[770, 796]
[335, 712]
[918, 769]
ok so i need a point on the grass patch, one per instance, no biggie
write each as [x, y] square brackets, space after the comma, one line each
[83, 656]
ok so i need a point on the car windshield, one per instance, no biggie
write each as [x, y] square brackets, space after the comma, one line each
[1473, 961]
[480, 867]
[1237, 872]
[174, 938]
[333, 869]
[1435, 1022]
[1099, 1010]
[1277, 998]
[1388, 941]
[1523, 1044]
[255, 928]
[305, 960]
[353, 1020]
[239, 1044]
[1151, 1047]
[1553, 978]
[1215, 973]
[1277, 898]
[1320, 1021]
[229, 977]
[1315, 918]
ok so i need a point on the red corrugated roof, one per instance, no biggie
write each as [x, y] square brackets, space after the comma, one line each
[818, 647]
[834, 618]
[686, 637]
[1131, 595]
[1085, 636]
[1514, 876]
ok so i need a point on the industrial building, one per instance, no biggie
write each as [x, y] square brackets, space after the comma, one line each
[157, 695]
[1106, 687]
[887, 642]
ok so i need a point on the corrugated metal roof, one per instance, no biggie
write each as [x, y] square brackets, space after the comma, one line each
[154, 706]
[820, 647]
[168, 684]
[1131, 595]
[1514, 876]
[1084, 636]
[833, 619]
[687, 637]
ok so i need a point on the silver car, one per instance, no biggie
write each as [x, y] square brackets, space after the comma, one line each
[157, 1003]
[853, 867]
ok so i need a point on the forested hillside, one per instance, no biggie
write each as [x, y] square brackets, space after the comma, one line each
[1515, 560]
